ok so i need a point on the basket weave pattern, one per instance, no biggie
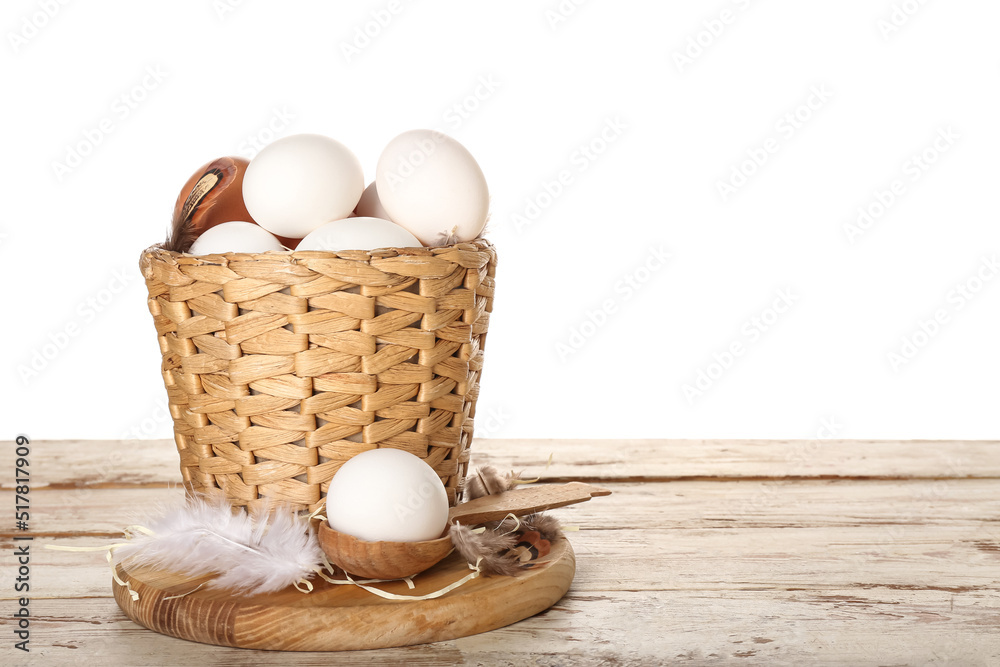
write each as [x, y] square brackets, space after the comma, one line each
[280, 367]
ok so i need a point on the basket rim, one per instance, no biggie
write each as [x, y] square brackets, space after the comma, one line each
[469, 254]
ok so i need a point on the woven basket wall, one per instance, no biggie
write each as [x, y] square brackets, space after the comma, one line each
[279, 367]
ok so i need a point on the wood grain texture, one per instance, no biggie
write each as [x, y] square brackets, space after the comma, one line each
[381, 559]
[663, 460]
[523, 501]
[682, 535]
[832, 627]
[342, 617]
[764, 554]
[116, 463]
[894, 562]
[700, 504]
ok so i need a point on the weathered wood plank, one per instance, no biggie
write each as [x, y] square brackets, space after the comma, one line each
[698, 504]
[96, 463]
[660, 460]
[954, 559]
[833, 626]
[154, 462]
[685, 535]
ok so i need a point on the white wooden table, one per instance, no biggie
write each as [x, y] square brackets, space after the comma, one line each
[708, 552]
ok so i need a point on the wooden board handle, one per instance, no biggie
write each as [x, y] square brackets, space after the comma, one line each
[521, 502]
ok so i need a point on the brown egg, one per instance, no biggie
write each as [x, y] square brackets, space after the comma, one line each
[213, 195]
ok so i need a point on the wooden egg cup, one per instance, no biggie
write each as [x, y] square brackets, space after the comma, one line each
[396, 560]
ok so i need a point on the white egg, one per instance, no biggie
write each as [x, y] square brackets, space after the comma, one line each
[298, 183]
[431, 185]
[234, 237]
[387, 495]
[369, 206]
[358, 234]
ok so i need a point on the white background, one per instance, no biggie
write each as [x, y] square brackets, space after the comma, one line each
[80, 355]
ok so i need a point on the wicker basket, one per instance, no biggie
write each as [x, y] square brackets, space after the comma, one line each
[279, 367]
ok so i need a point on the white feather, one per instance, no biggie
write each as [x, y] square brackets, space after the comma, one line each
[260, 552]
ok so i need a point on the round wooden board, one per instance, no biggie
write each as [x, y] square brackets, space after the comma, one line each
[344, 617]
